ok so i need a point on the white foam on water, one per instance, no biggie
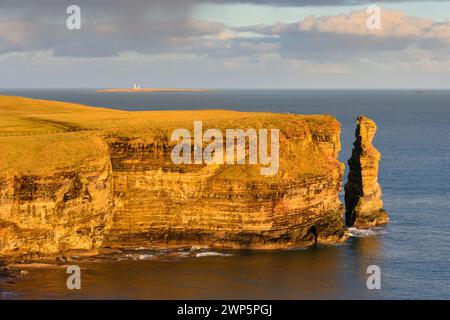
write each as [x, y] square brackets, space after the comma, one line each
[183, 254]
[136, 257]
[146, 256]
[363, 233]
[212, 254]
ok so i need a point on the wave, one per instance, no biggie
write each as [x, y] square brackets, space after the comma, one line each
[212, 254]
[363, 233]
[146, 256]
[171, 255]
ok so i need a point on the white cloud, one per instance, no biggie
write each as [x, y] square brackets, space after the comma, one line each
[314, 52]
[394, 24]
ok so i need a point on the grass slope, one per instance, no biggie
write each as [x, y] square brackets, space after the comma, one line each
[39, 136]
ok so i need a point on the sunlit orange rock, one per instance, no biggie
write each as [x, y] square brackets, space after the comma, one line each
[364, 207]
[79, 178]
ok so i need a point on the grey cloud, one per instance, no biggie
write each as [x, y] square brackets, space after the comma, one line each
[138, 7]
[104, 39]
[168, 48]
[342, 36]
[108, 27]
[125, 26]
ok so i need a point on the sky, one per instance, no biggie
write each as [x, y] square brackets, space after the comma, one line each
[319, 44]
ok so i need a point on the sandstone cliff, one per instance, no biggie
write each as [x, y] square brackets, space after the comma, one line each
[80, 178]
[363, 204]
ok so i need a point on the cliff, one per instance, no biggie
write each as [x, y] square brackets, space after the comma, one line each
[80, 178]
[364, 207]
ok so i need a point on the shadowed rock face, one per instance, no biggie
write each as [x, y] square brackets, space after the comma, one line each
[364, 208]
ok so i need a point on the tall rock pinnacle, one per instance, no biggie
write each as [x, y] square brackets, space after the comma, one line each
[364, 208]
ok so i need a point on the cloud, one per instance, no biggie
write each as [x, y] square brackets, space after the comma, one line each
[109, 39]
[13, 34]
[319, 37]
[394, 24]
[150, 41]
[341, 36]
[180, 3]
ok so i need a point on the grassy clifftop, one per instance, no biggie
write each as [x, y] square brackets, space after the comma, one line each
[74, 177]
[39, 136]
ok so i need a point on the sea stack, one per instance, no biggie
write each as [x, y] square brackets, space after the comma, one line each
[364, 207]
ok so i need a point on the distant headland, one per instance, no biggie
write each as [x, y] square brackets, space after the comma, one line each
[137, 88]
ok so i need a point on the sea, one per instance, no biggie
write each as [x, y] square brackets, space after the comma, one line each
[412, 252]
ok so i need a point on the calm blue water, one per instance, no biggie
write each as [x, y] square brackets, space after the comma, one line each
[413, 253]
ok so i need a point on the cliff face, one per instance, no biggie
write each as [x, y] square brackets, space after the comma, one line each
[123, 190]
[363, 204]
[157, 202]
[48, 214]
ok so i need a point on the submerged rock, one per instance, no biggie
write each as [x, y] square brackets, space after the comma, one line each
[364, 207]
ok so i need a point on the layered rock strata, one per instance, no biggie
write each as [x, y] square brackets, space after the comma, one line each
[121, 189]
[364, 207]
